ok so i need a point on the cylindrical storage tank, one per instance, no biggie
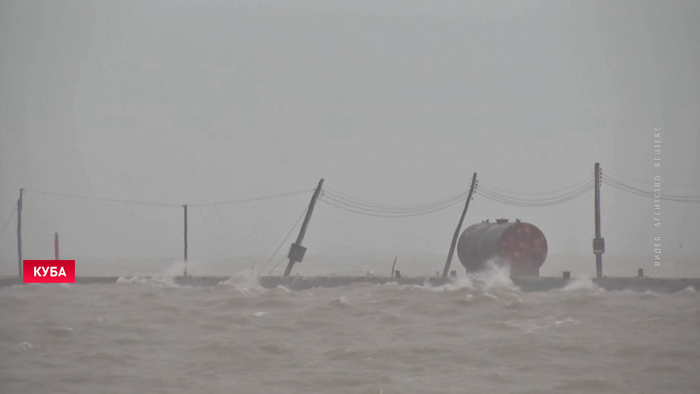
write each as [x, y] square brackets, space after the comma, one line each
[521, 245]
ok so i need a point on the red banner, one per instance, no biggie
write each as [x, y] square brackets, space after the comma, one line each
[48, 271]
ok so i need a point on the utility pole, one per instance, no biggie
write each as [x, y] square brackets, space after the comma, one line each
[296, 251]
[19, 233]
[598, 242]
[55, 246]
[185, 273]
[459, 227]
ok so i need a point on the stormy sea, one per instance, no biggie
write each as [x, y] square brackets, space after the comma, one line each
[479, 335]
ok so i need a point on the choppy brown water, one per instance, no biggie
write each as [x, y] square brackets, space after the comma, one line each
[480, 336]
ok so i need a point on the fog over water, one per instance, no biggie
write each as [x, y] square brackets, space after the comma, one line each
[115, 114]
[200, 102]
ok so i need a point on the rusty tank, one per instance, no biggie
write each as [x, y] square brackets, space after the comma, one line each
[518, 244]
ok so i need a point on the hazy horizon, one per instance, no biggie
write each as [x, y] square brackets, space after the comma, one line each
[395, 103]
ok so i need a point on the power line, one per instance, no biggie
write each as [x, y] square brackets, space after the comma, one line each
[202, 215]
[615, 183]
[282, 243]
[369, 204]
[489, 194]
[148, 203]
[367, 208]
[393, 211]
[648, 182]
[534, 204]
[357, 210]
[278, 264]
[395, 208]
[669, 196]
[629, 190]
[217, 213]
[133, 202]
[586, 180]
[545, 200]
[633, 190]
[9, 219]
[540, 202]
[252, 199]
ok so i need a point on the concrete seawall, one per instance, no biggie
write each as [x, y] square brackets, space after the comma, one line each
[526, 284]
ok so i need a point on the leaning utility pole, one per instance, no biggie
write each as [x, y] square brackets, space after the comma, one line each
[296, 251]
[459, 227]
[598, 242]
[19, 233]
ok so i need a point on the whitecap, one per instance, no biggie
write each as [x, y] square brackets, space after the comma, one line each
[568, 320]
[582, 284]
[22, 347]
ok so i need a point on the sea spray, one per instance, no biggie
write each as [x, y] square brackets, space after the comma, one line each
[583, 283]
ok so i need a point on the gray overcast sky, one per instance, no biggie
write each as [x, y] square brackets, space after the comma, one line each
[395, 102]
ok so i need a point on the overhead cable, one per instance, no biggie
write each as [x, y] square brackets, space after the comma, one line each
[629, 189]
[392, 211]
[253, 198]
[649, 182]
[535, 203]
[575, 185]
[148, 203]
[133, 202]
[360, 211]
[369, 204]
[670, 196]
[9, 219]
[283, 241]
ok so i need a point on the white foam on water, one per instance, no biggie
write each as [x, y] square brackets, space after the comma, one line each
[582, 284]
[496, 276]
[178, 268]
[22, 347]
[568, 320]
[688, 292]
[243, 283]
[154, 281]
[131, 280]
